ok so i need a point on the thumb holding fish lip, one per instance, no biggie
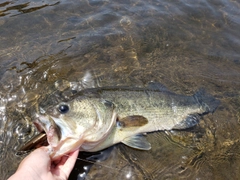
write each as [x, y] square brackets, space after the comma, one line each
[64, 165]
[41, 155]
[38, 165]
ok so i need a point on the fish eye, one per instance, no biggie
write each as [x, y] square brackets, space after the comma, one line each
[63, 108]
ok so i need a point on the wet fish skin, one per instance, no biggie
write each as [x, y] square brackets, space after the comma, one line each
[163, 109]
[100, 117]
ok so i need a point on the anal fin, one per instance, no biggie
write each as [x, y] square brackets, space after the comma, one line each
[190, 121]
[138, 142]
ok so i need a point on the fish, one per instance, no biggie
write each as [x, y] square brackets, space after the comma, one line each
[97, 118]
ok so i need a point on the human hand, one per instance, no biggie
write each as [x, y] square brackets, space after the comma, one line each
[38, 165]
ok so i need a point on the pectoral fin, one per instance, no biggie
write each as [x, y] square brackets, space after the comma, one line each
[190, 121]
[137, 142]
[132, 121]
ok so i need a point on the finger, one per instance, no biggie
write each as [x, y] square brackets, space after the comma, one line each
[40, 154]
[69, 162]
[36, 164]
[61, 160]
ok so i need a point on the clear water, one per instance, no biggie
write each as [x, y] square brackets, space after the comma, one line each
[183, 44]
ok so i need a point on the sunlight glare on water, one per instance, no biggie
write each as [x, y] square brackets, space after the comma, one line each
[52, 49]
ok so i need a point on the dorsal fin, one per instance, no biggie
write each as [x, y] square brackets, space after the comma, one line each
[157, 86]
[87, 80]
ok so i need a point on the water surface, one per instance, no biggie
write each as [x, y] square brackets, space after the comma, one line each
[185, 45]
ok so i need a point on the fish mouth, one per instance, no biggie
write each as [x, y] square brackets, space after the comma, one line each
[36, 141]
[63, 138]
[38, 126]
[60, 138]
[47, 124]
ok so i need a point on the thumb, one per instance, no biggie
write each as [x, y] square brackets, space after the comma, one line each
[39, 158]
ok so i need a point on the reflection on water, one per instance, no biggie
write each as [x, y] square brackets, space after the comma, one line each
[48, 46]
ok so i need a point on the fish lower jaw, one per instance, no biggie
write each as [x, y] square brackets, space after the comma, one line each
[65, 146]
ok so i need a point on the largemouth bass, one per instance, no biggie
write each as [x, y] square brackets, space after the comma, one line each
[97, 118]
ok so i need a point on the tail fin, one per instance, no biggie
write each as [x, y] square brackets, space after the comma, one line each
[207, 101]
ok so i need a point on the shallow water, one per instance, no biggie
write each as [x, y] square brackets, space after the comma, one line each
[185, 45]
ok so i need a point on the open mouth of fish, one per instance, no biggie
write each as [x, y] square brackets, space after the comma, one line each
[40, 139]
[61, 141]
[37, 140]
